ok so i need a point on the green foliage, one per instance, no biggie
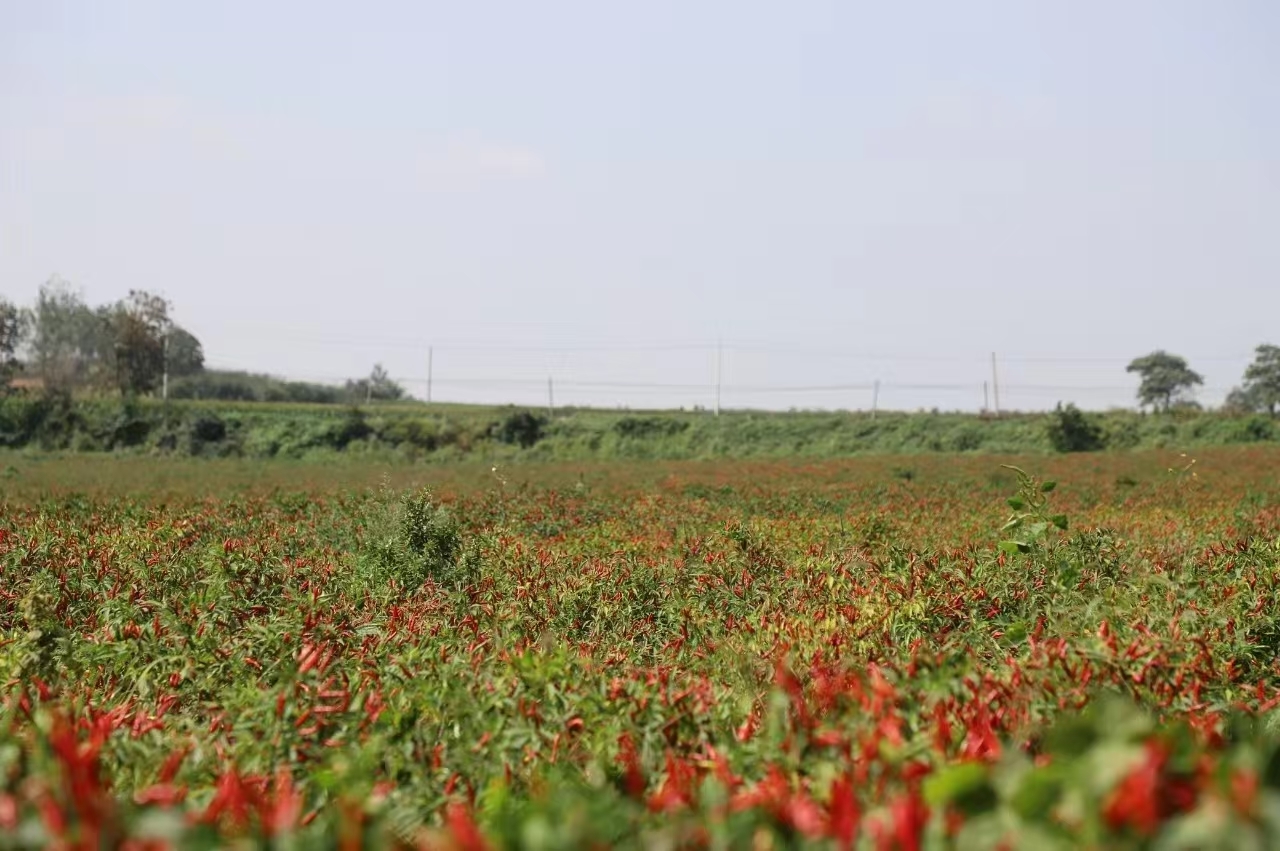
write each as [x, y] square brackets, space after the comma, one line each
[520, 428]
[1166, 379]
[448, 432]
[137, 326]
[1262, 379]
[184, 354]
[646, 428]
[353, 426]
[378, 387]
[1071, 430]
[123, 346]
[1030, 519]
[230, 386]
[12, 328]
[69, 343]
[418, 539]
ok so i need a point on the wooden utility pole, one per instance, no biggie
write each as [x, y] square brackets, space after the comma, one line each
[995, 384]
[164, 374]
[719, 373]
[875, 398]
[551, 399]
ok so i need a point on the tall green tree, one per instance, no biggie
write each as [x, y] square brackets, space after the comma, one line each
[1262, 378]
[12, 326]
[139, 325]
[1166, 379]
[69, 343]
[377, 387]
[185, 355]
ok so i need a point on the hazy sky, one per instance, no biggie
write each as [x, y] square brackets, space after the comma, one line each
[841, 191]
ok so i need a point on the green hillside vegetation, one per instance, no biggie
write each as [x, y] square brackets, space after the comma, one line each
[414, 431]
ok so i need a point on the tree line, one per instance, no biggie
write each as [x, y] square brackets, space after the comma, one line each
[1167, 382]
[131, 345]
[64, 345]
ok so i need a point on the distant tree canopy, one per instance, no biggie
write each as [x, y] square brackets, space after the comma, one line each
[1167, 381]
[137, 327]
[67, 340]
[11, 328]
[120, 346]
[378, 387]
[185, 355]
[1262, 380]
[230, 386]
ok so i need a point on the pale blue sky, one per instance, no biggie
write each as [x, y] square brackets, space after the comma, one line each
[318, 186]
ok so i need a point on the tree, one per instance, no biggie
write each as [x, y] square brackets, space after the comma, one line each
[1070, 430]
[185, 354]
[139, 324]
[1262, 379]
[1241, 401]
[11, 332]
[377, 387]
[68, 343]
[1166, 379]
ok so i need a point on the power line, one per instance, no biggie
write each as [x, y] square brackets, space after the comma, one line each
[781, 349]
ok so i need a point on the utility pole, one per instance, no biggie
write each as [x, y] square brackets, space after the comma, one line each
[164, 373]
[995, 384]
[551, 399]
[719, 372]
[875, 398]
[429, 354]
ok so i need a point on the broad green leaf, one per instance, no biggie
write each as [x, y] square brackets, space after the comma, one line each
[1271, 774]
[966, 786]
[1014, 547]
[1037, 793]
[1059, 520]
[1048, 486]
[1071, 737]
[1017, 503]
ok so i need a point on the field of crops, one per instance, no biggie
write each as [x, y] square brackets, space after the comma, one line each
[732, 654]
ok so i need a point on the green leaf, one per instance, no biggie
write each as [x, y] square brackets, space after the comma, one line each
[1014, 547]
[1037, 793]
[1059, 520]
[1016, 631]
[1271, 774]
[1037, 530]
[1047, 487]
[1017, 503]
[965, 786]
[1071, 737]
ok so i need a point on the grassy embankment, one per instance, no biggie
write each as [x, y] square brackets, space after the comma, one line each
[445, 432]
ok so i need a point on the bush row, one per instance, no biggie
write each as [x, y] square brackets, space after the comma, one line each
[208, 429]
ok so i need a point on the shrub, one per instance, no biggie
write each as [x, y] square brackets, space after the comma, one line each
[417, 539]
[208, 428]
[1071, 430]
[642, 427]
[966, 439]
[1255, 429]
[354, 426]
[521, 428]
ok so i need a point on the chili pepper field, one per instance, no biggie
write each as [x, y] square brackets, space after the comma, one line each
[915, 652]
